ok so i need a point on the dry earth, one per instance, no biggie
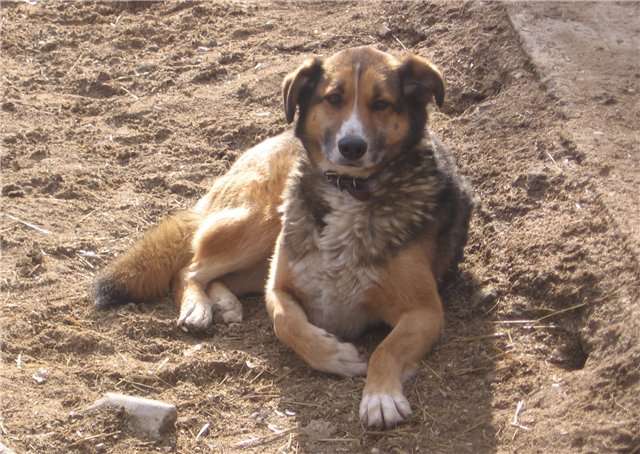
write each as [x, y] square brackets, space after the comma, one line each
[114, 114]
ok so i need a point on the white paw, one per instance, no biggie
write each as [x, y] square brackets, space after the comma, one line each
[383, 410]
[195, 315]
[341, 358]
[229, 308]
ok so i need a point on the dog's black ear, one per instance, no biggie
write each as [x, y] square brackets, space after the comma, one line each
[297, 82]
[421, 80]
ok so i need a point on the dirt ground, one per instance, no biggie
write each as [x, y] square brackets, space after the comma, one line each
[114, 114]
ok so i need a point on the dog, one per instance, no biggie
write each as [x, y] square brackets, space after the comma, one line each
[350, 219]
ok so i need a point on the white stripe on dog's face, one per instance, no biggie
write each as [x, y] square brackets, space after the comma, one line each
[353, 126]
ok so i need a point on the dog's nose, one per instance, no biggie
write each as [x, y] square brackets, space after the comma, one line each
[352, 147]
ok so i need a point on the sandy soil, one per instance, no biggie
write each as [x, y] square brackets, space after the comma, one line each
[114, 114]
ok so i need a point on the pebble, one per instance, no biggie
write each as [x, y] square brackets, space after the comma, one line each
[6, 450]
[318, 429]
[383, 31]
[41, 376]
[152, 417]
[9, 106]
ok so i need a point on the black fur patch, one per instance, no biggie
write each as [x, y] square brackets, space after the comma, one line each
[318, 207]
[107, 293]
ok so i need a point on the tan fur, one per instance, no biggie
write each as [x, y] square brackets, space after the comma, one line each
[407, 299]
[149, 266]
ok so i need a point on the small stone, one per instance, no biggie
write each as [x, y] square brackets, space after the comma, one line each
[146, 68]
[48, 46]
[12, 190]
[151, 417]
[11, 138]
[536, 183]
[155, 181]
[318, 429]
[6, 450]
[162, 134]
[485, 296]
[8, 106]
[383, 31]
[41, 375]
[193, 350]
[103, 76]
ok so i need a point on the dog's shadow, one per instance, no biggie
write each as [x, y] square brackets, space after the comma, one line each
[450, 393]
[246, 372]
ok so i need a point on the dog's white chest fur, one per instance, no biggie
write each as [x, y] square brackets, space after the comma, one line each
[331, 274]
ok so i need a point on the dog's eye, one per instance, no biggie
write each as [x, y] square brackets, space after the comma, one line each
[380, 104]
[335, 99]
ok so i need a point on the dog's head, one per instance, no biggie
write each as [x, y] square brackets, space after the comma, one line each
[361, 107]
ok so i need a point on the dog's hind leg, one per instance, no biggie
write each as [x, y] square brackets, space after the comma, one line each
[196, 308]
[226, 304]
[228, 241]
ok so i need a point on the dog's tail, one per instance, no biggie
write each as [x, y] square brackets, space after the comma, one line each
[145, 272]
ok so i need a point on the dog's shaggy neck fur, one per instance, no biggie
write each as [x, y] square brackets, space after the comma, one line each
[401, 206]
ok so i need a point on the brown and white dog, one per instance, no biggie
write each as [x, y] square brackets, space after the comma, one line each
[360, 210]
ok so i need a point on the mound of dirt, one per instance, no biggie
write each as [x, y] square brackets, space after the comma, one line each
[115, 114]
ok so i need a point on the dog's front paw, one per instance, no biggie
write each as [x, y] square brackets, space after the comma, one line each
[380, 410]
[341, 358]
[195, 315]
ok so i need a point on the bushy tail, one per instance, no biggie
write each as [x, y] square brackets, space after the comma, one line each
[145, 272]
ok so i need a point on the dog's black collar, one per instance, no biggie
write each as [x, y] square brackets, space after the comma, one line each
[359, 188]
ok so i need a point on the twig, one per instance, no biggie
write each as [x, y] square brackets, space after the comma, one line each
[473, 427]
[513, 322]
[562, 311]
[252, 442]
[303, 404]
[204, 431]
[129, 93]
[344, 440]
[433, 371]
[28, 224]
[553, 160]
[475, 338]
[93, 437]
[400, 42]
[257, 376]
[514, 421]
[85, 261]
[75, 63]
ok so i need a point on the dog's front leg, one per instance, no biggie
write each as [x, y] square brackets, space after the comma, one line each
[408, 300]
[320, 349]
